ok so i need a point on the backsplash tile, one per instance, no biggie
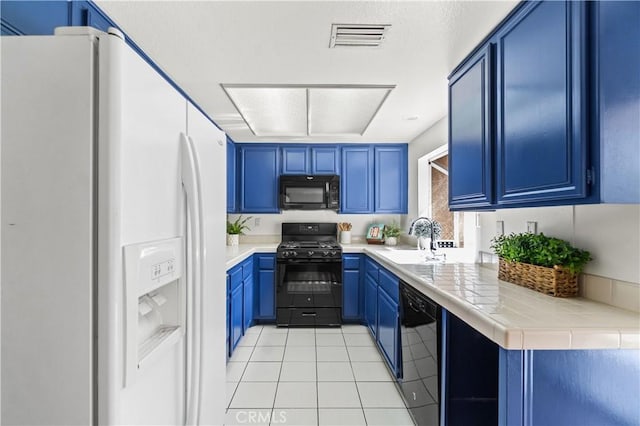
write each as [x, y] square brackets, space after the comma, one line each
[626, 295]
[596, 288]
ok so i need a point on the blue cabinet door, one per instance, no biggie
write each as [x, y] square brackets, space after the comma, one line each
[371, 304]
[617, 74]
[247, 307]
[232, 164]
[266, 292]
[325, 160]
[390, 179]
[236, 316]
[356, 186]
[470, 146]
[295, 160]
[21, 17]
[267, 295]
[351, 294]
[259, 179]
[352, 287]
[388, 328]
[86, 13]
[228, 319]
[541, 106]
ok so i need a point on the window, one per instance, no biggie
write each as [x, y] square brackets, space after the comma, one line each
[433, 199]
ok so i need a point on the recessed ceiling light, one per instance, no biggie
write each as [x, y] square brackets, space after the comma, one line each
[410, 117]
[307, 110]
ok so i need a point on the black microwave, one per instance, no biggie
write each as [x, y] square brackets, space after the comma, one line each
[304, 192]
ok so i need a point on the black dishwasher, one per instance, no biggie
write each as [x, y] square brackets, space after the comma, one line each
[420, 323]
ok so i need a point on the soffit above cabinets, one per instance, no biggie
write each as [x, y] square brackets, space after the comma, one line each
[291, 111]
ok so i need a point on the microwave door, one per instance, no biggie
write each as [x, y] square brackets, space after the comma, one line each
[304, 197]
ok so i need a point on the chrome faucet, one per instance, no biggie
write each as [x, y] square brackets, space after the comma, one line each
[433, 246]
[412, 228]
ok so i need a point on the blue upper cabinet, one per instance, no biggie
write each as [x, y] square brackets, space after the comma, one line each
[21, 17]
[295, 160]
[541, 155]
[390, 179]
[310, 160]
[259, 170]
[232, 167]
[616, 74]
[325, 160]
[356, 186]
[86, 13]
[470, 149]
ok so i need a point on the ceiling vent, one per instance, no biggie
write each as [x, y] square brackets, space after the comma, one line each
[358, 35]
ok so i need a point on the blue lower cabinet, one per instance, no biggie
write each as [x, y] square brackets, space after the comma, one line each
[351, 287]
[569, 387]
[470, 376]
[388, 328]
[228, 319]
[247, 307]
[265, 297]
[236, 314]
[371, 304]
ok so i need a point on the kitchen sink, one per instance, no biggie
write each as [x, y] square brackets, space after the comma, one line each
[409, 256]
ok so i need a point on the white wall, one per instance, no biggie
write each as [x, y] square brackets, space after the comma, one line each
[426, 142]
[269, 226]
[611, 232]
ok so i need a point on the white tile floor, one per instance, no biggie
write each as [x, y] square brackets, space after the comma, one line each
[305, 376]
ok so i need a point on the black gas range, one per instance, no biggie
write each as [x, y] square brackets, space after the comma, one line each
[309, 276]
[328, 250]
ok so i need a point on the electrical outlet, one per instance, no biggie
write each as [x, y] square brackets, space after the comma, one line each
[256, 221]
[499, 227]
[532, 227]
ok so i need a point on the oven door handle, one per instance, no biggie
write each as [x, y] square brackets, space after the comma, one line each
[309, 314]
[297, 261]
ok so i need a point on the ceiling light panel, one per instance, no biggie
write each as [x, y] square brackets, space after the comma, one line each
[344, 110]
[358, 35]
[271, 111]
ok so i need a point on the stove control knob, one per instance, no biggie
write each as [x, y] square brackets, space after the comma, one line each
[310, 253]
[285, 254]
[325, 253]
[294, 253]
[333, 252]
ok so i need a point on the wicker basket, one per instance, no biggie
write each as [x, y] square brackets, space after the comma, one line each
[554, 281]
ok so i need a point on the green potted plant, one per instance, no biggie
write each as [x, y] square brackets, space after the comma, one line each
[391, 233]
[235, 229]
[546, 264]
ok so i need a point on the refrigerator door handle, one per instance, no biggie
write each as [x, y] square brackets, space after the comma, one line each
[192, 187]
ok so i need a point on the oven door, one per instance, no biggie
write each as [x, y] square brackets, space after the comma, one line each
[309, 292]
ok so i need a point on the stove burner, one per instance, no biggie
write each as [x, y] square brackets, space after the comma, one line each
[313, 241]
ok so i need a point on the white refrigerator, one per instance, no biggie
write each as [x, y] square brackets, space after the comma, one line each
[113, 288]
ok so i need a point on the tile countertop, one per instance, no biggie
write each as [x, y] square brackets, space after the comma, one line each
[515, 317]
[511, 316]
[236, 254]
